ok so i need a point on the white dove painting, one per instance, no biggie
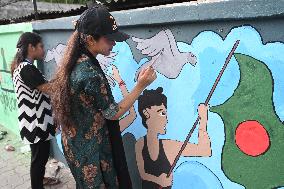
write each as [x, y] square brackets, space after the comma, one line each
[55, 53]
[105, 61]
[164, 54]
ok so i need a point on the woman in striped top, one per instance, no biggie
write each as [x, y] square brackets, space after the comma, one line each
[35, 113]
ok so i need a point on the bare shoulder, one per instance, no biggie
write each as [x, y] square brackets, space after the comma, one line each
[172, 144]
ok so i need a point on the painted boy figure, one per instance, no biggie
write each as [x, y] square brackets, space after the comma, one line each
[155, 156]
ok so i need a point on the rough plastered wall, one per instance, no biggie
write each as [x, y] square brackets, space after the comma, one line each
[9, 35]
[241, 143]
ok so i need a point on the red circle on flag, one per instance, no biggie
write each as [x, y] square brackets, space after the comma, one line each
[252, 138]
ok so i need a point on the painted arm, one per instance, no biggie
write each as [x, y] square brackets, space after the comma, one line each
[146, 77]
[201, 149]
[127, 120]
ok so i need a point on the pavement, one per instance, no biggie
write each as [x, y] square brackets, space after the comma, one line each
[15, 166]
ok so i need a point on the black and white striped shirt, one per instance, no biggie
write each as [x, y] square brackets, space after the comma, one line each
[35, 113]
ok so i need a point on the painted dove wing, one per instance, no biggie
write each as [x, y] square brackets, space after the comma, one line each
[157, 47]
[110, 80]
[172, 41]
[106, 61]
[60, 49]
[49, 55]
[153, 46]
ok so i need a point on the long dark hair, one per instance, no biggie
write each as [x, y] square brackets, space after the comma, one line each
[61, 92]
[22, 48]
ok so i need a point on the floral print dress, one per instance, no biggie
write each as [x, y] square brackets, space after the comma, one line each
[87, 146]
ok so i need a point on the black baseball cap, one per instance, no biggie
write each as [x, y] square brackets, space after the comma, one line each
[97, 20]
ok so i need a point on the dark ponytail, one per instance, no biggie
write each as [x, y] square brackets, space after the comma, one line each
[60, 87]
[22, 48]
[60, 96]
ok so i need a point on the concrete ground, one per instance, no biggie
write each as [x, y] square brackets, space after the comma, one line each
[15, 166]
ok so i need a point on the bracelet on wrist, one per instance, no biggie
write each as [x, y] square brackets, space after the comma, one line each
[122, 83]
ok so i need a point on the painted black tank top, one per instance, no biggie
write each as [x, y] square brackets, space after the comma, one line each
[156, 168]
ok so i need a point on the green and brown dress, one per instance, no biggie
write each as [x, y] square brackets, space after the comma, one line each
[87, 146]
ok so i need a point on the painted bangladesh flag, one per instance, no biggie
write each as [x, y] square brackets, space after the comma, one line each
[253, 153]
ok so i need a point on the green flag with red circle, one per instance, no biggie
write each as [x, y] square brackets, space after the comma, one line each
[253, 152]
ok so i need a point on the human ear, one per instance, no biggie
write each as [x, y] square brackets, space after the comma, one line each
[146, 114]
[90, 40]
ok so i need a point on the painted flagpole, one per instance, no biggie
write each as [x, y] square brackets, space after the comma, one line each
[206, 103]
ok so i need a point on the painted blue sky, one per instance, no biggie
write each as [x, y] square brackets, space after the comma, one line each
[193, 85]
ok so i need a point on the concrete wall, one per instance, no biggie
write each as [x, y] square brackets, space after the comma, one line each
[245, 120]
[9, 35]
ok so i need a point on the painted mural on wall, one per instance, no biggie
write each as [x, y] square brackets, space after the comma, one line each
[8, 101]
[9, 35]
[239, 141]
[5, 82]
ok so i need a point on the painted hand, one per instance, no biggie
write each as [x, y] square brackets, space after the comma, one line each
[203, 111]
[115, 74]
[165, 181]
